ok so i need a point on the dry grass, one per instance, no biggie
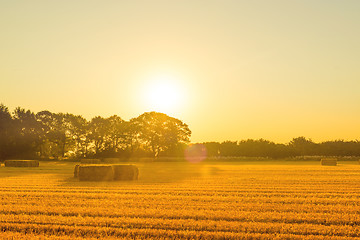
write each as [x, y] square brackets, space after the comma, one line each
[192, 201]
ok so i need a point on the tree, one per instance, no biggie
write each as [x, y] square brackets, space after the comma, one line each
[47, 120]
[98, 129]
[6, 128]
[303, 146]
[27, 133]
[116, 134]
[158, 132]
[59, 130]
[212, 148]
[229, 148]
[79, 132]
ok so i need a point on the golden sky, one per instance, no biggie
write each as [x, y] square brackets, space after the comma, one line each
[231, 70]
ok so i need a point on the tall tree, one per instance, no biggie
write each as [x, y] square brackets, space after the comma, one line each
[98, 131]
[303, 146]
[78, 132]
[6, 134]
[159, 132]
[116, 139]
[59, 131]
[28, 133]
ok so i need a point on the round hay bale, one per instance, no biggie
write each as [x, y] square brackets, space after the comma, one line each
[90, 161]
[329, 161]
[21, 163]
[76, 170]
[125, 172]
[96, 173]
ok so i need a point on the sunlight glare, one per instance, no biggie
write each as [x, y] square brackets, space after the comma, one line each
[163, 94]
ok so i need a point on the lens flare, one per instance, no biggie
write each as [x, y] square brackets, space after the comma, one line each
[163, 93]
[195, 153]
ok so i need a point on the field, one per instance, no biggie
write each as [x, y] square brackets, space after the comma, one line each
[261, 200]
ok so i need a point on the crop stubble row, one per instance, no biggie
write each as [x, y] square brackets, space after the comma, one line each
[233, 204]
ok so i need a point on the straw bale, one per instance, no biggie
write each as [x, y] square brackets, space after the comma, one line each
[329, 161]
[125, 172]
[96, 173]
[90, 161]
[21, 163]
[76, 171]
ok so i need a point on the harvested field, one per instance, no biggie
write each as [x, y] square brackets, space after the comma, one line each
[21, 163]
[263, 200]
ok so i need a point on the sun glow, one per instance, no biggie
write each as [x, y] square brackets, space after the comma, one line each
[163, 94]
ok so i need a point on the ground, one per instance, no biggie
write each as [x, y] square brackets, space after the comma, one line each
[246, 200]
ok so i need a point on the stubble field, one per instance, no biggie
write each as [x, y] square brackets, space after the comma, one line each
[260, 200]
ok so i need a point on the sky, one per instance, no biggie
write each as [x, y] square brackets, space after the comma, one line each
[231, 70]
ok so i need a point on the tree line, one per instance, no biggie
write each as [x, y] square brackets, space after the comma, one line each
[299, 146]
[24, 134]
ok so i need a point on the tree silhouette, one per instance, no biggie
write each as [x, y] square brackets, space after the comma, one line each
[159, 132]
[6, 132]
[57, 135]
[27, 133]
[97, 133]
[303, 146]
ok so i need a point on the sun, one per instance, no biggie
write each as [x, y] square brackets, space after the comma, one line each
[163, 94]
